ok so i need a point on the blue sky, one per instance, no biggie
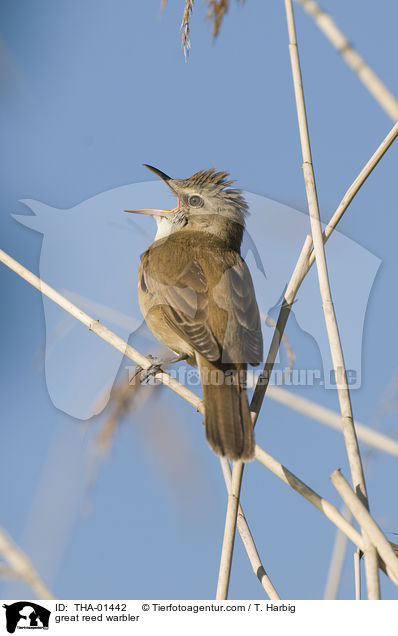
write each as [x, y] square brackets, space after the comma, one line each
[90, 91]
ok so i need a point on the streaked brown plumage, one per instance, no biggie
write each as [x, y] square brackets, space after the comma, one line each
[196, 294]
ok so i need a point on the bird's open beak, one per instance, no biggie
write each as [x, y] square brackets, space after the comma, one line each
[158, 211]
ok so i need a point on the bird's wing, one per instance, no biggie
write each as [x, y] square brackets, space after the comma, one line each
[243, 341]
[182, 295]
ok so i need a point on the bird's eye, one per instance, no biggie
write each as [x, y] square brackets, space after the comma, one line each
[195, 201]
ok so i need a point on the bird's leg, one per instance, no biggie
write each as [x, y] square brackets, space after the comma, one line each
[156, 366]
[180, 358]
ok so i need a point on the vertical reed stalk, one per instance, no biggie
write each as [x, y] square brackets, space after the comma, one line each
[357, 574]
[371, 564]
[229, 531]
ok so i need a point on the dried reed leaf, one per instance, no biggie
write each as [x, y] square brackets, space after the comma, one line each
[216, 11]
[184, 29]
[289, 349]
[125, 398]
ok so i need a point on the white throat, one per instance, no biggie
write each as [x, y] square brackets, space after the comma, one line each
[165, 227]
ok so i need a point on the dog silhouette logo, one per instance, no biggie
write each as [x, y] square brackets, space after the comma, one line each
[91, 252]
[26, 615]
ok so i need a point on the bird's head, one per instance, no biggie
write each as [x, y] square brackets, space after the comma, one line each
[205, 203]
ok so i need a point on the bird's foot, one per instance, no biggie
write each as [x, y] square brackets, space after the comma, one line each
[146, 374]
[182, 356]
[156, 366]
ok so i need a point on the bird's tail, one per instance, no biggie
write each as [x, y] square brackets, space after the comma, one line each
[229, 428]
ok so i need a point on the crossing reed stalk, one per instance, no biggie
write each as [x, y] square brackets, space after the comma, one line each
[371, 564]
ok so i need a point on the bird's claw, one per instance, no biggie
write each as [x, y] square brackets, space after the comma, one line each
[146, 374]
[156, 366]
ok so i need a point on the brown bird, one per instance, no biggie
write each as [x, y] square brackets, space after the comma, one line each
[197, 297]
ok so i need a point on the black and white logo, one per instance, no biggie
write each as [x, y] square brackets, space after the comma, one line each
[26, 615]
